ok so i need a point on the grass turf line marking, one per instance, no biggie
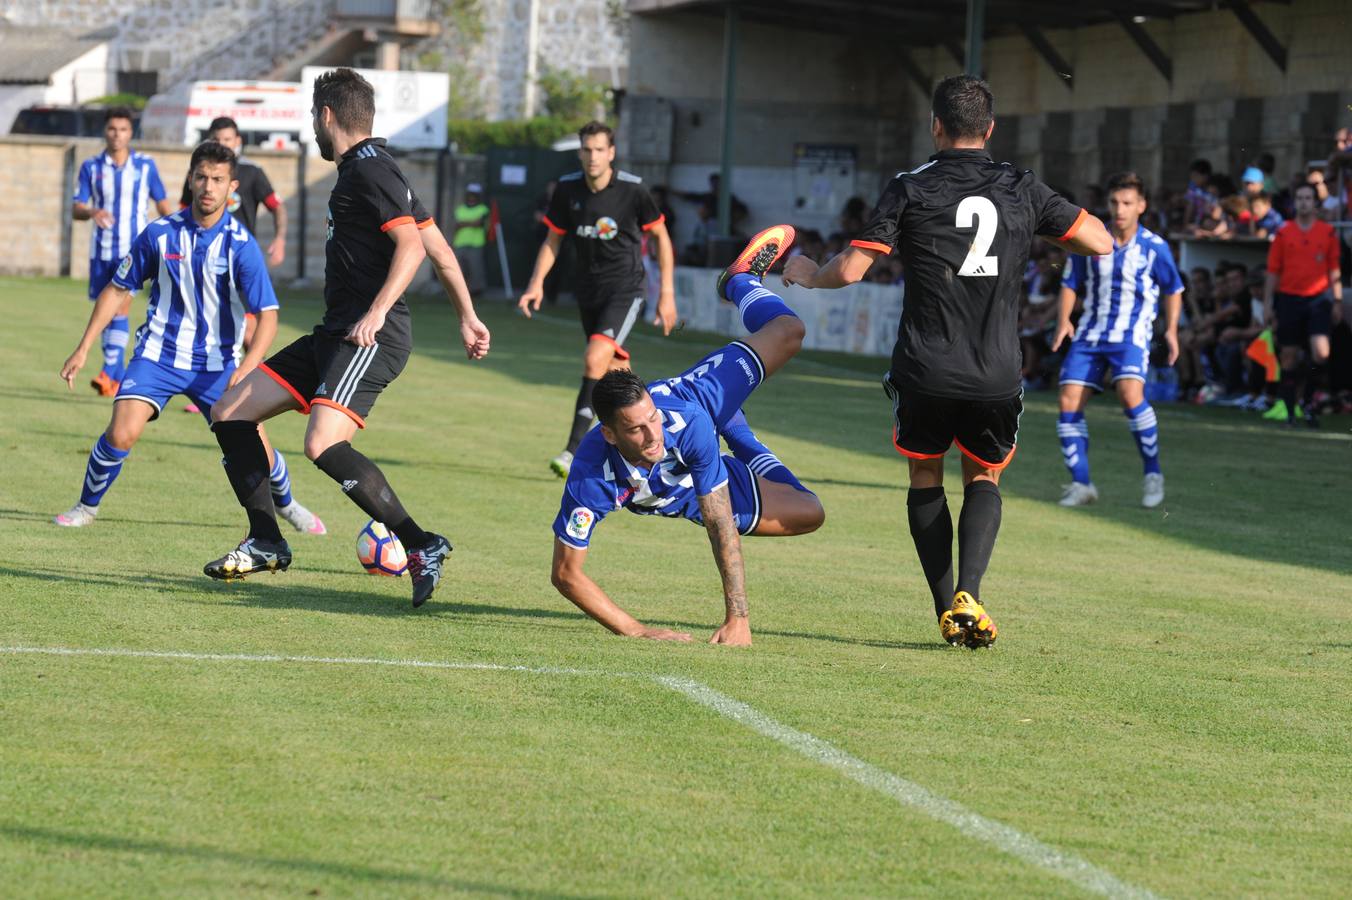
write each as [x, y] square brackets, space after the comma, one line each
[908, 793]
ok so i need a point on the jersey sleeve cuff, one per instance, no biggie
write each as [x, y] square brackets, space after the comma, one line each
[655, 222]
[396, 222]
[871, 245]
[723, 483]
[552, 227]
[271, 201]
[426, 223]
[567, 543]
[1075, 226]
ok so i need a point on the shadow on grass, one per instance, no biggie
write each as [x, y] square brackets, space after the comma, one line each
[26, 515]
[342, 870]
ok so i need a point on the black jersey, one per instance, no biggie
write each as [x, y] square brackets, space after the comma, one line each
[254, 188]
[371, 197]
[964, 225]
[606, 228]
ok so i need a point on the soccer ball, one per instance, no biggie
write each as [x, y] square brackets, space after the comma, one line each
[380, 552]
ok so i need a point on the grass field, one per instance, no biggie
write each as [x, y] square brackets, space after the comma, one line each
[1168, 709]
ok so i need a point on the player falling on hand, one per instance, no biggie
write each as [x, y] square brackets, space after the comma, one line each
[207, 274]
[656, 452]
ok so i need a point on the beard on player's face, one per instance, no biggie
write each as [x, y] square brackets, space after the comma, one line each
[323, 137]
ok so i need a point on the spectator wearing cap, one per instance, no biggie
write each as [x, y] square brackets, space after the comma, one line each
[471, 233]
[1253, 181]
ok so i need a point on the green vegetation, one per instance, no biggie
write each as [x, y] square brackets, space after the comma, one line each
[1167, 700]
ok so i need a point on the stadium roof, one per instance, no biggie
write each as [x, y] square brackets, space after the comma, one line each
[29, 55]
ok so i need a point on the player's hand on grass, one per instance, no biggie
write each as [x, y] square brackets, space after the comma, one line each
[736, 632]
[663, 634]
[530, 300]
[102, 218]
[276, 252]
[1065, 330]
[474, 335]
[363, 334]
[799, 270]
[74, 363]
[666, 311]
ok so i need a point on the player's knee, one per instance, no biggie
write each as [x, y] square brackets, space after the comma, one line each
[123, 437]
[316, 445]
[814, 515]
[791, 331]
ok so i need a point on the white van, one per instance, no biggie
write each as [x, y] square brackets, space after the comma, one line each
[270, 114]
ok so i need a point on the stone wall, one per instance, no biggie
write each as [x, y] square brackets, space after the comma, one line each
[37, 178]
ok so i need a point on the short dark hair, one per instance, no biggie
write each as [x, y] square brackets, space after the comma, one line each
[351, 98]
[964, 105]
[222, 122]
[118, 112]
[213, 152]
[618, 389]
[1262, 195]
[1305, 186]
[1201, 167]
[594, 127]
[1126, 181]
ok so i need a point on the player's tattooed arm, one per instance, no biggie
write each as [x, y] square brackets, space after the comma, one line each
[586, 595]
[716, 508]
[110, 300]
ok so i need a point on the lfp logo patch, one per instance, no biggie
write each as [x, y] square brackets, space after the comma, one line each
[580, 522]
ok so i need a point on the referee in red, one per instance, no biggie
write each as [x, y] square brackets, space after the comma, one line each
[1303, 268]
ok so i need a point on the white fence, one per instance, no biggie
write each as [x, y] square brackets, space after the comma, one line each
[861, 318]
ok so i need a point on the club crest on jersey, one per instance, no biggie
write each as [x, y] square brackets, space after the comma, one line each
[580, 522]
[605, 229]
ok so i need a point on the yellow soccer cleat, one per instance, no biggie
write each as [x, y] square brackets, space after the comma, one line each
[967, 624]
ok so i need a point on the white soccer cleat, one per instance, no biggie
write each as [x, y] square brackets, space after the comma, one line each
[77, 516]
[1076, 494]
[1153, 495]
[560, 464]
[302, 519]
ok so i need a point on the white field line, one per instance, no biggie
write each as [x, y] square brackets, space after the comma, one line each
[974, 825]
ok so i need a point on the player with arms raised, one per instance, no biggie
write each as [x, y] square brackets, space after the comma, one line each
[964, 225]
[112, 190]
[656, 452]
[335, 374]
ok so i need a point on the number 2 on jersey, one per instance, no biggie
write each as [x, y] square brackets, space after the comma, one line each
[977, 263]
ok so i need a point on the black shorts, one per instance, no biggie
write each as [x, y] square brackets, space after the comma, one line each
[1300, 318]
[322, 370]
[924, 427]
[611, 319]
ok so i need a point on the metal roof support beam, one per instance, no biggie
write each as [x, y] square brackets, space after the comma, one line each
[1053, 58]
[1260, 32]
[731, 19]
[976, 30]
[1152, 50]
[913, 71]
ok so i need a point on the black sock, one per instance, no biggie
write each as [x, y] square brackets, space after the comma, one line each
[365, 485]
[978, 524]
[1286, 389]
[932, 531]
[247, 467]
[582, 414]
[1314, 376]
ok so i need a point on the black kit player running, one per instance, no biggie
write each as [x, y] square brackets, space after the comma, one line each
[605, 213]
[963, 225]
[337, 372]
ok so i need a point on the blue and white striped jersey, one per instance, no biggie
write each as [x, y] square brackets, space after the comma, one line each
[601, 480]
[124, 192]
[1122, 289]
[205, 281]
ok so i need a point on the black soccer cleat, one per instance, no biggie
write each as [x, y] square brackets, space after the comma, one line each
[762, 252]
[251, 556]
[424, 567]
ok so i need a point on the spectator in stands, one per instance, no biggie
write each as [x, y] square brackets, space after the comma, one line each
[1253, 181]
[1199, 197]
[1326, 204]
[852, 216]
[1265, 220]
[1037, 313]
[1232, 320]
[1198, 303]
[1267, 164]
[471, 235]
[709, 200]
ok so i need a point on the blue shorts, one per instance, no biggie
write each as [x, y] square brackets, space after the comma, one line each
[744, 495]
[101, 272]
[155, 383]
[1085, 363]
[720, 382]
